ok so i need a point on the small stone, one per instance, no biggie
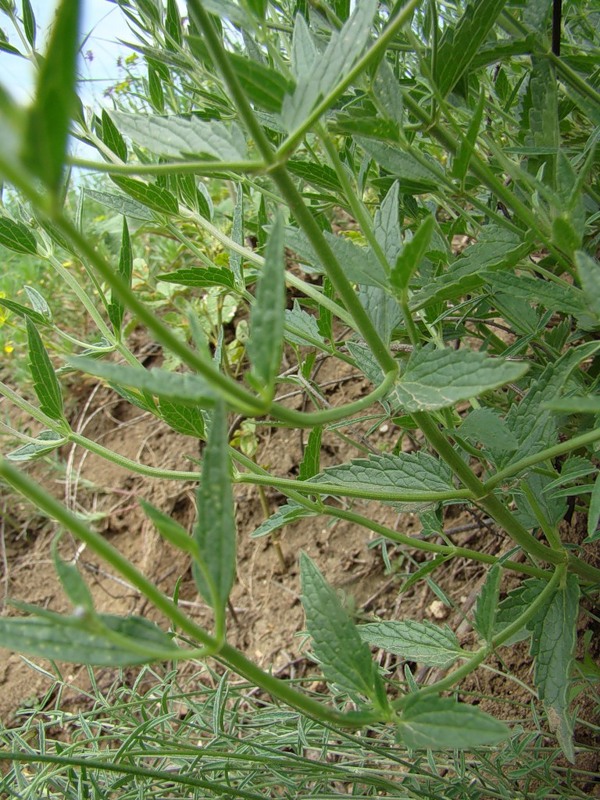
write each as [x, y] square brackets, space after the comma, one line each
[384, 429]
[437, 610]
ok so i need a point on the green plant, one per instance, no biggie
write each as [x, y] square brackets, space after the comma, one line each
[395, 115]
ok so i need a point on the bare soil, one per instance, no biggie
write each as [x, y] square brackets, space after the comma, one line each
[266, 616]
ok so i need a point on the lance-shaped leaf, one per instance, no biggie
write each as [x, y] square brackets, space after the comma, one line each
[150, 195]
[45, 442]
[61, 638]
[47, 131]
[172, 531]
[317, 77]
[267, 316]
[440, 723]
[311, 460]
[72, 582]
[460, 43]
[44, 377]
[112, 137]
[487, 604]
[589, 275]
[422, 642]
[553, 646]
[388, 230]
[121, 204]
[29, 25]
[215, 529]
[24, 312]
[17, 237]
[440, 378]
[414, 177]
[552, 296]
[178, 136]
[344, 657]
[199, 276]
[183, 387]
[411, 256]
[302, 328]
[285, 515]
[115, 307]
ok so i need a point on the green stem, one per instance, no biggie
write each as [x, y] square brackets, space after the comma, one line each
[228, 655]
[177, 168]
[430, 547]
[571, 77]
[550, 453]
[480, 655]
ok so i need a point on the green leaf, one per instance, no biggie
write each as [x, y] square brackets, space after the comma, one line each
[73, 584]
[552, 296]
[310, 464]
[262, 85]
[484, 426]
[24, 312]
[183, 387]
[543, 115]
[317, 77]
[460, 43]
[45, 382]
[112, 137]
[122, 204]
[286, 514]
[593, 532]
[267, 315]
[436, 379]
[115, 307]
[304, 50]
[150, 195]
[440, 723]
[173, 23]
[17, 237]
[38, 303]
[460, 162]
[422, 642]
[48, 120]
[487, 604]
[215, 531]
[301, 328]
[46, 442]
[200, 276]
[388, 230]
[553, 646]
[574, 404]
[63, 638]
[182, 418]
[171, 530]
[319, 175]
[388, 474]
[514, 605]
[388, 92]
[588, 270]
[411, 256]
[382, 308]
[414, 177]
[344, 657]
[178, 136]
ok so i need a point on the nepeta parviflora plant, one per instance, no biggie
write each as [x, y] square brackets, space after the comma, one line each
[421, 123]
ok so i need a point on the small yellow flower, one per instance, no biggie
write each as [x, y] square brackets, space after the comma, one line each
[9, 347]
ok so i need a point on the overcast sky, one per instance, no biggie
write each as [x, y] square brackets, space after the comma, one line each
[104, 23]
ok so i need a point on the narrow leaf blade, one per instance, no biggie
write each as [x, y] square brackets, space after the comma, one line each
[44, 377]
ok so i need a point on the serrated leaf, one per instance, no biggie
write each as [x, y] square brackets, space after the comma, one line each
[388, 92]
[484, 426]
[285, 515]
[17, 237]
[414, 177]
[487, 604]
[115, 307]
[24, 311]
[48, 120]
[301, 328]
[319, 175]
[46, 442]
[460, 162]
[62, 638]
[564, 298]
[122, 204]
[314, 80]
[551, 505]
[215, 531]
[589, 274]
[180, 137]
[262, 85]
[310, 464]
[304, 50]
[45, 382]
[388, 231]
[553, 641]
[267, 315]
[383, 310]
[436, 379]
[593, 532]
[183, 418]
[409, 473]
[112, 138]
[574, 404]
[413, 252]
[422, 642]
[183, 387]
[440, 723]
[199, 276]
[460, 43]
[543, 128]
[150, 195]
[344, 657]
[514, 605]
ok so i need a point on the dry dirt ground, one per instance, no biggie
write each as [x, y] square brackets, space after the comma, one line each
[266, 615]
